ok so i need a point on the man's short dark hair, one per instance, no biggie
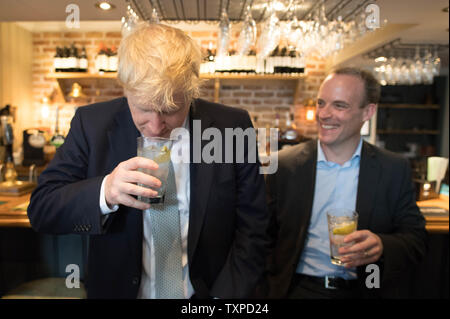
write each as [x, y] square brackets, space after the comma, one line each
[371, 85]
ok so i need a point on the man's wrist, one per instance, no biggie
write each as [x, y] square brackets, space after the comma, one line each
[104, 207]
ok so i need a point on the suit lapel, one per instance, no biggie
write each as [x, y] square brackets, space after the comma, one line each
[122, 138]
[369, 176]
[305, 178]
[201, 176]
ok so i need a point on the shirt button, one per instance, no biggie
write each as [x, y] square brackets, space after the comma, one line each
[135, 280]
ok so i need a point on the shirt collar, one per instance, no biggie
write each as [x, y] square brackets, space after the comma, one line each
[321, 156]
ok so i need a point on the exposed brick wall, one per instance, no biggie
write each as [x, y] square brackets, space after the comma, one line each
[44, 45]
[315, 74]
[263, 98]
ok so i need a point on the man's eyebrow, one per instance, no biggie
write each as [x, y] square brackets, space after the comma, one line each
[340, 102]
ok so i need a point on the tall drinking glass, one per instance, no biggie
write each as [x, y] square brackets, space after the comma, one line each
[157, 149]
[341, 222]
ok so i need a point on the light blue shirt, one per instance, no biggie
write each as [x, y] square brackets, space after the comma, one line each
[336, 187]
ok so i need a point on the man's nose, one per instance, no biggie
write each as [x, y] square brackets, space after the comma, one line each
[156, 123]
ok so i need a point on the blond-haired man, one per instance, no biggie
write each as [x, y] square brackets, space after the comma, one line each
[91, 185]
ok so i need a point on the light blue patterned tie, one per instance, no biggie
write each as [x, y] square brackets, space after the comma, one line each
[165, 225]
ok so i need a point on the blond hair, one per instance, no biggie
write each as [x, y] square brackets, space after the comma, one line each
[156, 62]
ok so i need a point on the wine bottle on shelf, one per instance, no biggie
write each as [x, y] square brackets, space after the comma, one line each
[77, 59]
[83, 67]
[65, 59]
[108, 54]
[113, 61]
[280, 62]
[271, 60]
[251, 62]
[101, 61]
[72, 59]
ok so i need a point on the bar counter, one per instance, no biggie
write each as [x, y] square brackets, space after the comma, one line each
[437, 222]
[13, 213]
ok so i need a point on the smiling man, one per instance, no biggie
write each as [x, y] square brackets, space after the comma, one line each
[341, 171]
[92, 184]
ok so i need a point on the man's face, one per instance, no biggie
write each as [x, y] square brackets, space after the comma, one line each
[338, 112]
[153, 124]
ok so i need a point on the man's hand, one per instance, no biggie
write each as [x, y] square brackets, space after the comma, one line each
[122, 183]
[367, 249]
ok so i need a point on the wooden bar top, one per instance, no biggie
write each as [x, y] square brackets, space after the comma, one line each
[436, 222]
[13, 213]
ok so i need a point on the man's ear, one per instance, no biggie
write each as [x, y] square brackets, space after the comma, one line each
[369, 111]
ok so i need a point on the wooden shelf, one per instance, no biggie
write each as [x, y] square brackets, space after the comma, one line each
[221, 76]
[60, 76]
[410, 106]
[409, 132]
[82, 75]
[251, 76]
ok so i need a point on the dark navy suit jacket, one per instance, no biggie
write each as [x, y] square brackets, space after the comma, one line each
[385, 203]
[228, 212]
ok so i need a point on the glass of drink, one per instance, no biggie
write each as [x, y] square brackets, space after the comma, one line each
[341, 222]
[157, 149]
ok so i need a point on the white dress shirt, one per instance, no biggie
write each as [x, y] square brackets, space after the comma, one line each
[182, 181]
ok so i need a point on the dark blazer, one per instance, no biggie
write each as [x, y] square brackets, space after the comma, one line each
[385, 203]
[228, 211]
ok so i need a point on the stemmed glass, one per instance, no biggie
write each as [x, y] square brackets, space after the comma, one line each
[427, 70]
[405, 71]
[389, 71]
[416, 68]
[436, 63]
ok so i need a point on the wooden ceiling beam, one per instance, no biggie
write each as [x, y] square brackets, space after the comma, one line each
[367, 43]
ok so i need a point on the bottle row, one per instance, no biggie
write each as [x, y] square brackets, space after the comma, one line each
[106, 59]
[69, 59]
[252, 64]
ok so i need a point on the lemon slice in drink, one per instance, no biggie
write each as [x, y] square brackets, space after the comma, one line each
[345, 230]
[164, 156]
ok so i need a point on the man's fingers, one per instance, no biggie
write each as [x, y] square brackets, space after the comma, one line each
[357, 236]
[142, 178]
[136, 190]
[362, 246]
[364, 252]
[139, 162]
[130, 201]
[121, 183]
